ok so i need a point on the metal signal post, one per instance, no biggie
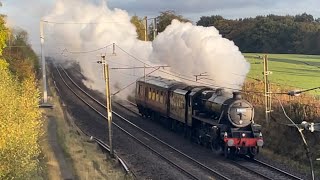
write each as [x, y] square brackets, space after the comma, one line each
[43, 61]
[154, 28]
[108, 98]
[267, 92]
[145, 28]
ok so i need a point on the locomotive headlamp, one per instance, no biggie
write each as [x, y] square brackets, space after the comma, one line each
[243, 134]
[260, 135]
[225, 134]
[230, 142]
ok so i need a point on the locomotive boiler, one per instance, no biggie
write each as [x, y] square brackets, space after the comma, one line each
[211, 117]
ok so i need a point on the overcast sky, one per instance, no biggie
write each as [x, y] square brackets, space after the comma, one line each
[227, 8]
[27, 13]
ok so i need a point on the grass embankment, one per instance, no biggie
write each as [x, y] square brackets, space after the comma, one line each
[289, 72]
[86, 160]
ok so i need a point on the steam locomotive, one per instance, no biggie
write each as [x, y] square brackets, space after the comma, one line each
[212, 117]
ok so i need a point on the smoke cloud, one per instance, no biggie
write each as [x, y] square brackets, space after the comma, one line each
[193, 50]
[75, 28]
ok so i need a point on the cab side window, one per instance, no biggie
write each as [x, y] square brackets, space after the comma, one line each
[153, 95]
[140, 90]
[149, 94]
[157, 96]
[161, 97]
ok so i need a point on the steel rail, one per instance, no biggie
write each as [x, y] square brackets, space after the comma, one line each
[277, 169]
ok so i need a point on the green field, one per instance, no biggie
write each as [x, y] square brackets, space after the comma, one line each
[300, 71]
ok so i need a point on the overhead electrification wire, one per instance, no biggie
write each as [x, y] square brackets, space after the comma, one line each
[131, 75]
[306, 90]
[260, 80]
[285, 114]
[125, 65]
[90, 51]
[132, 83]
[102, 22]
[18, 46]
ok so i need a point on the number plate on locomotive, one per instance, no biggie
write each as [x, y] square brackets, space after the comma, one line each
[241, 110]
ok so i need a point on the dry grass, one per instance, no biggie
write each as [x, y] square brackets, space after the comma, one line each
[48, 159]
[86, 160]
[89, 162]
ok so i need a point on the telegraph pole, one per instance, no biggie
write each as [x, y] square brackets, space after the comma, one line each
[43, 61]
[145, 28]
[108, 98]
[267, 92]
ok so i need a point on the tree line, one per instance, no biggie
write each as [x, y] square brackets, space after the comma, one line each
[299, 34]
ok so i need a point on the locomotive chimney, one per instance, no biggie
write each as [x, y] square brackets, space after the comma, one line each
[236, 95]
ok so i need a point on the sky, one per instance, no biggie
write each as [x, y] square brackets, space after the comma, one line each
[26, 14]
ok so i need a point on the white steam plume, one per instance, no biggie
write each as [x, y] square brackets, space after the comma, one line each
[78, 25]
[192, 50]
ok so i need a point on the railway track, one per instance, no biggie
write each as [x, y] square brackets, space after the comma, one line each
[101, 144]
[283, 173]
[264, 170]
[213, 172]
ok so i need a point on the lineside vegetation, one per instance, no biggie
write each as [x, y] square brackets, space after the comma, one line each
[20, 117]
